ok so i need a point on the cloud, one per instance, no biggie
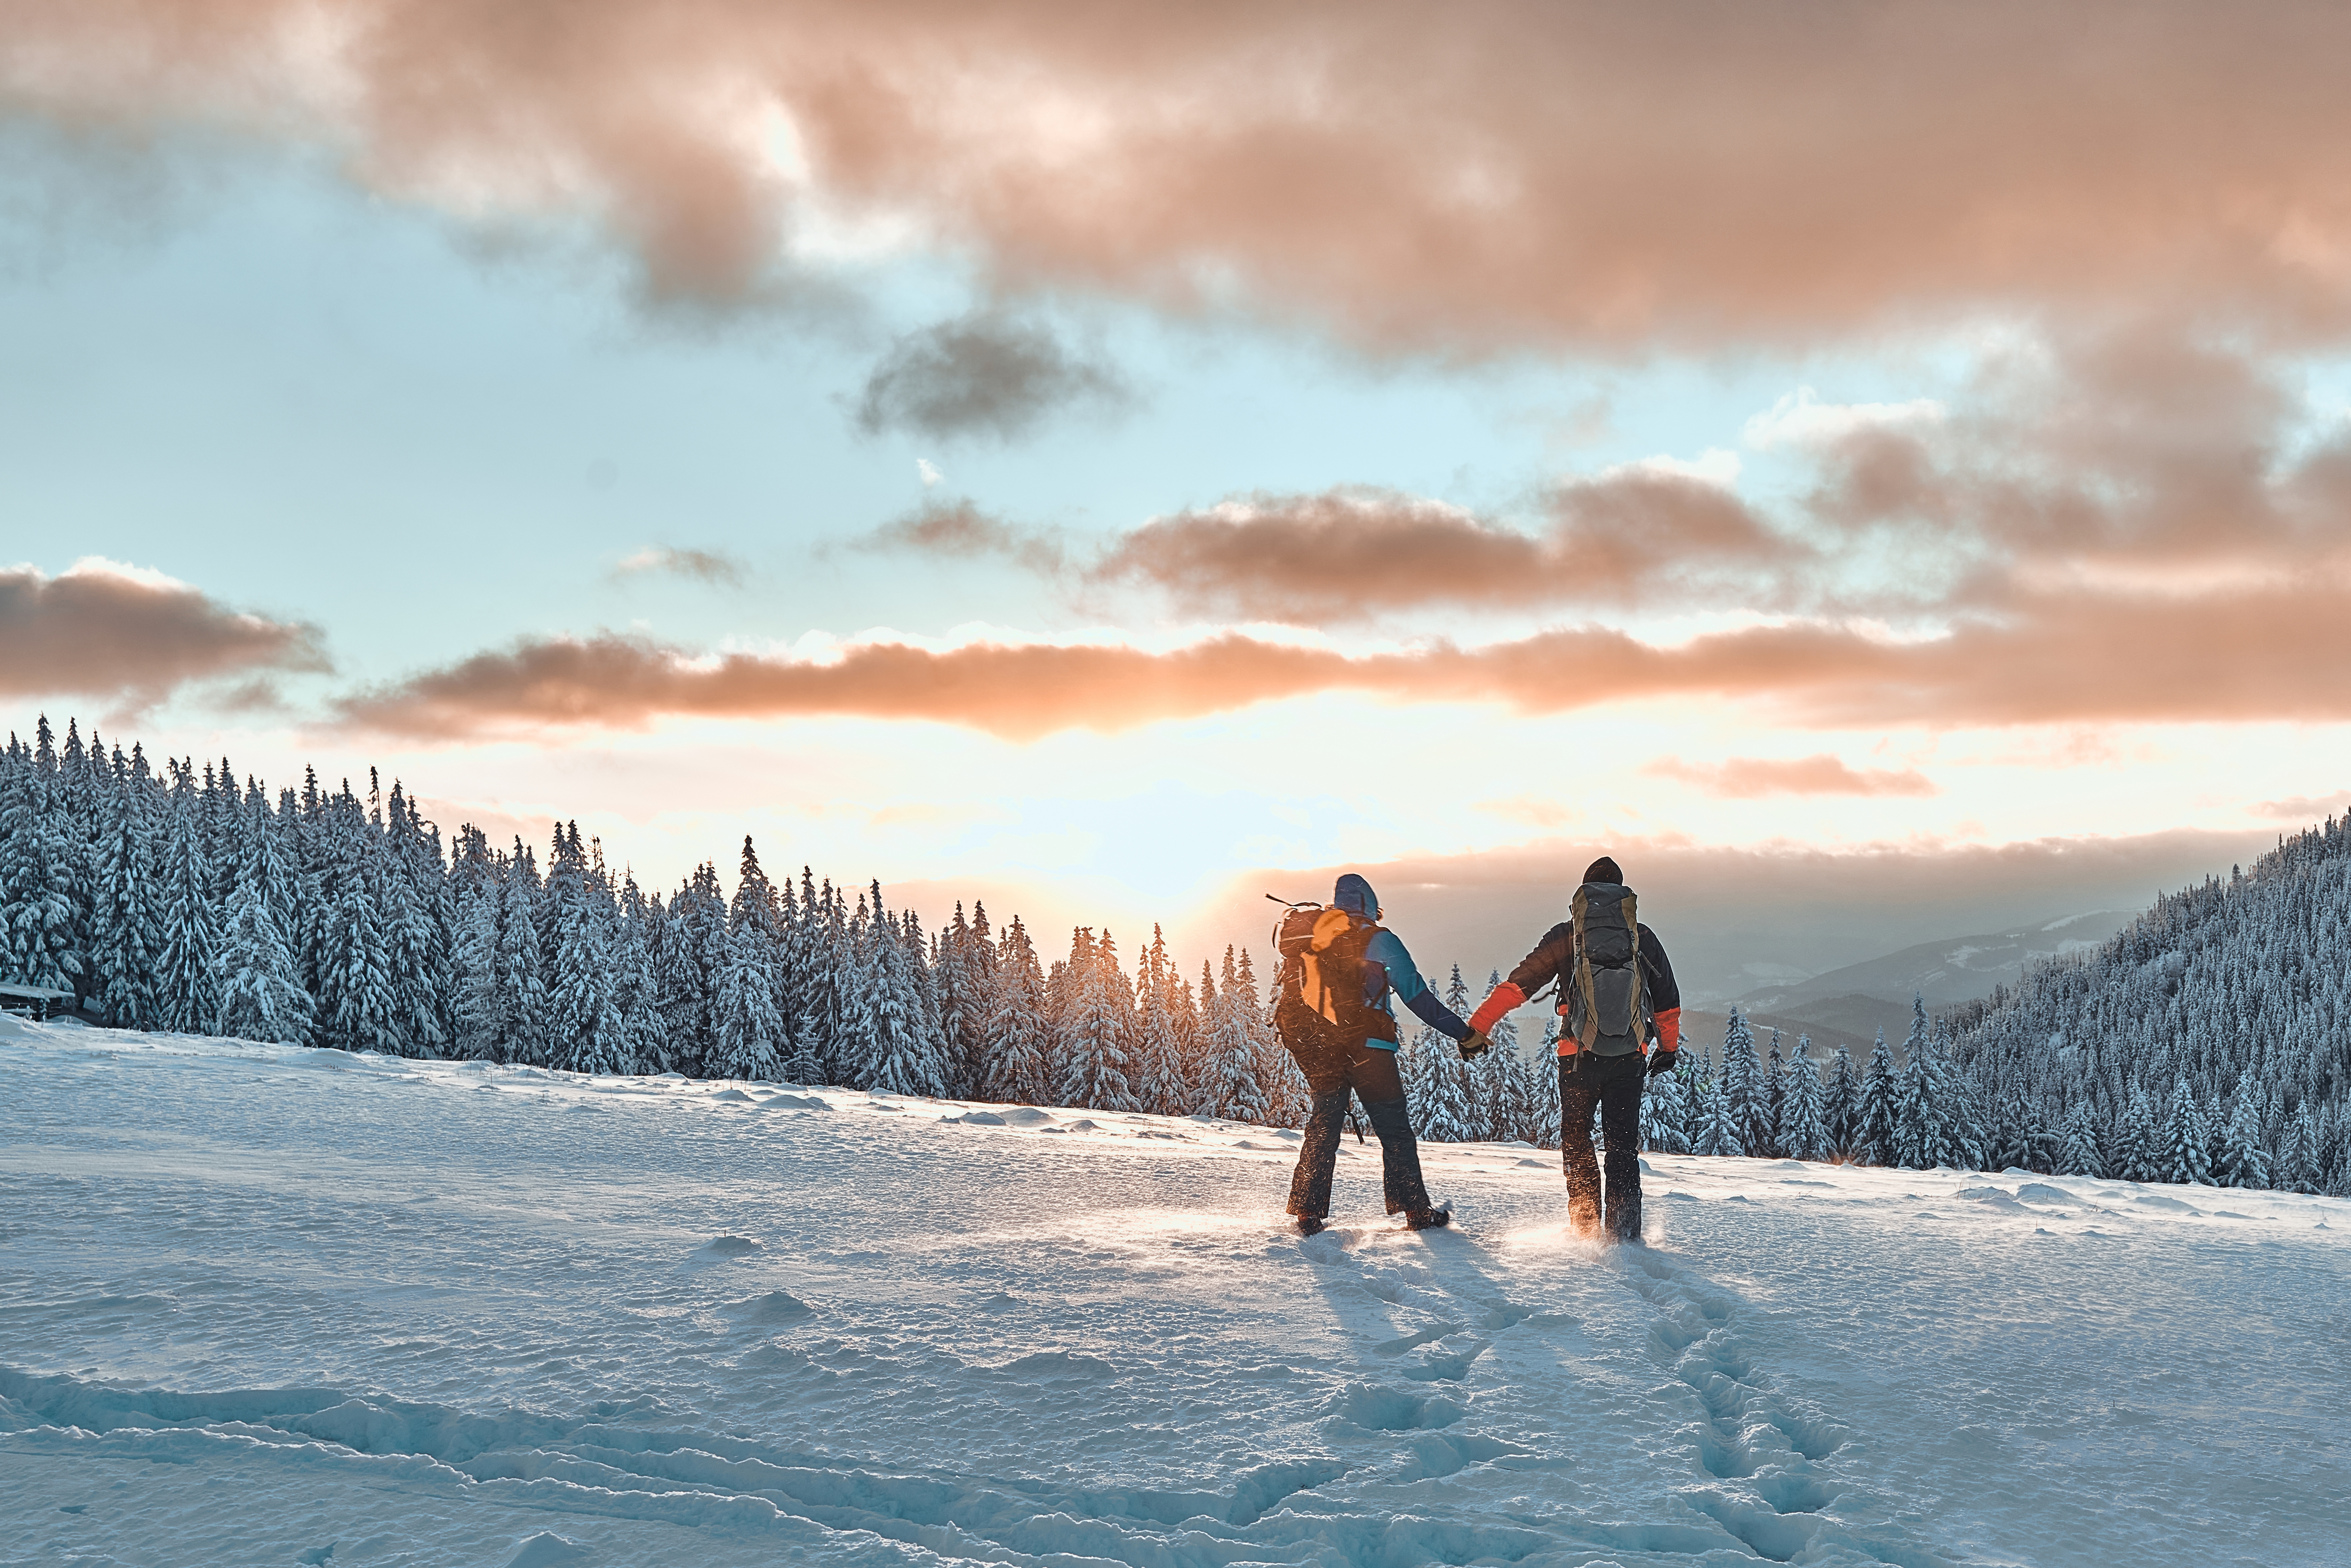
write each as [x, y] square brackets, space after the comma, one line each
[2131, 464]
[1356, 552]
[101, 628]
[2271, 652]
[1749, 778]
[2304, 808]
[958, 530]
[716, 568]
[985, 374]
[1495, 173]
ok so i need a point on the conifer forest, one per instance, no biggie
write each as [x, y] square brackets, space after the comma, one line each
[2208, 1042]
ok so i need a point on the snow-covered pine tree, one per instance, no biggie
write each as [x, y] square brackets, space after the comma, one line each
[1543, 1079]
[1233, 1091]
[1665, 1115]
[187, 993]
[821, 956]
[1803, 1132]
[1448, 1117]
[963, 1004]
[695, 951]
[125, 943]
[1159, 1084]
[905, 1044]
[261, 992]
[37, 916]
[1915, 1108]
[2301, 1165]
[2183, 1158]
[920, 953]
[579, 964]
[1719, 1126]
[2132, 1152]
[357, 1007]
[1017, 1064]
[259, 997]
[1775, 1088]
[1288, 1099]
[1097, 1056]
[853, 1050]
[479, 1005]
[1742, 1084]
[1841, 1102]
[1509, 1098]
[2078, 1151]
[2244, 1162]
[521, 968]
[750, 1033]
[1878, 1112]
[416, 938]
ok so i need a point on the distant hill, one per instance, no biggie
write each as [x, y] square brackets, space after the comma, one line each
[1861, 998]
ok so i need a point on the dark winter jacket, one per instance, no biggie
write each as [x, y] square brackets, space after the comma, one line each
[1388, 967]
[1553, 959]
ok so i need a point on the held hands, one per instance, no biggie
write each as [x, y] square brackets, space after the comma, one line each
[1477, 1045]
[1662, 1063]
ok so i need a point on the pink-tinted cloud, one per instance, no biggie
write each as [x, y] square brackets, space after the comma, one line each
[1347, 554]
[1479, 173]
[2267, 652]
[2133, 459]
[1749, 778]
[103, 630]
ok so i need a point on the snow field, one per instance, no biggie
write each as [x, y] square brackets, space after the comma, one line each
[265, 1304]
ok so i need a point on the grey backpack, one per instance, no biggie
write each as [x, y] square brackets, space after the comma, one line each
[1608, 1012]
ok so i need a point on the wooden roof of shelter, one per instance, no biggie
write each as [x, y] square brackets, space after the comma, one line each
[33, 993]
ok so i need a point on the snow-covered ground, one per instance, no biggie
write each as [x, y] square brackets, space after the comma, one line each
[266, 1305]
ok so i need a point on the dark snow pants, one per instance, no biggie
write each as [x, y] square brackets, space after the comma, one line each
[1370, 1074]
[1613, 1086]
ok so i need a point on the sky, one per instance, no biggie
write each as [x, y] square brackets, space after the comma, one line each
[1882, 473]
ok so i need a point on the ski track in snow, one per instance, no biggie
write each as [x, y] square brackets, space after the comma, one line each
[268, 1305]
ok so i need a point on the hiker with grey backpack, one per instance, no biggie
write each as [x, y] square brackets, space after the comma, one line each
[1338, 965]
[1620, 1024]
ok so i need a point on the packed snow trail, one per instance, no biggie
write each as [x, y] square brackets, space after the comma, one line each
[266, 1305]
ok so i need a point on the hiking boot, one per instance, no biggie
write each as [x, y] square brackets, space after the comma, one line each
[1427, 1219]
[1308, 1224]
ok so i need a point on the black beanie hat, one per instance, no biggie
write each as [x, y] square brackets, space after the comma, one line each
[1604, 870]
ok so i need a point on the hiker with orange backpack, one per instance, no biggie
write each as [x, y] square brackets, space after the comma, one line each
[1338, 965]
[1616, 995]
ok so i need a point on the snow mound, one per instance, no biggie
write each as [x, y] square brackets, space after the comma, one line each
[2041, 1192]
[735, 1095]
[1057, 1365]
[2167, 1205]
[775, 1307]
[722, 1246]
[979, 1119]
[547, 1549]
[1027, 1116]
[793, 1102]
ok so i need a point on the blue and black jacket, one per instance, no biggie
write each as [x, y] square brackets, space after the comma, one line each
[1387, 967]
